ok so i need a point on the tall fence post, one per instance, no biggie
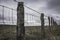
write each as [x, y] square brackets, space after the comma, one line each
[49, 22]
[42, 26]
[54, 22]
[20, 21]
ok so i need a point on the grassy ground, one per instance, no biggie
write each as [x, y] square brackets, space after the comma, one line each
[7, 32]
[31, 33]
[34, 33]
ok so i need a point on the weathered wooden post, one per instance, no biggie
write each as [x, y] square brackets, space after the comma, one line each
[53, 22]
[42, 27]
[20, 21]
[49, 22]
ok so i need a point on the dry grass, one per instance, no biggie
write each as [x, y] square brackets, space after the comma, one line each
[7, 32]
[31, 33]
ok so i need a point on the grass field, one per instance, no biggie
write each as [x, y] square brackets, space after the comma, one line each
[8, 32]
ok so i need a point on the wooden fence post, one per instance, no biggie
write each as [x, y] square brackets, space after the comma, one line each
[42, 27]
[49, 23]
[54, 22]
[20, 21]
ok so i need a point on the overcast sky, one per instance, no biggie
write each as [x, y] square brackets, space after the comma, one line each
[48, 7]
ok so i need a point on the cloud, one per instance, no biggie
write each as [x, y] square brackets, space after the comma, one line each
[54, 5]
[33, 1]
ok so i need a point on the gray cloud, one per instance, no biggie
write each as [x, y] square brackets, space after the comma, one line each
[1, 1]
[33, 1]
[30, 1]
[54, 4]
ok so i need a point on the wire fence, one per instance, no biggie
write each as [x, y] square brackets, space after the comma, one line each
[8, 15]
[32, 21]
[33, 31]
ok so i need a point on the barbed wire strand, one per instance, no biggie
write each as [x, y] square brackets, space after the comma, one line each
[8, 7]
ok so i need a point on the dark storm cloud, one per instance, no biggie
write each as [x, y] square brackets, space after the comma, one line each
[54, 4]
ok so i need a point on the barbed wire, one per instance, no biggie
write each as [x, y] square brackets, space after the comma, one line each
[27, 7]
[36, 11]
[32, 9]
[8, 7]
[25, 13]
[32, 15]
[3, 14]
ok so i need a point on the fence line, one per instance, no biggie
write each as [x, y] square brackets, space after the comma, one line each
[32, 9]
[8, 7]
[25, 13]
[10, 19]
[32, 15]
[20, 21]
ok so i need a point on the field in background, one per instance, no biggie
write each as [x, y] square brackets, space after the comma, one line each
[8, 32]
